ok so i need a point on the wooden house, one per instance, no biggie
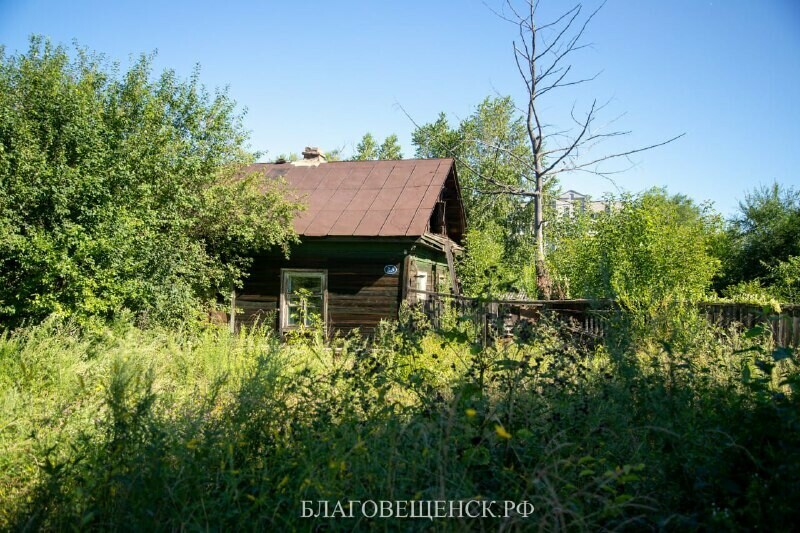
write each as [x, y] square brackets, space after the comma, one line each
[373, 233]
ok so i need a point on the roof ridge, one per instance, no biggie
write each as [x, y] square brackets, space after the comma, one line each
[414, 159]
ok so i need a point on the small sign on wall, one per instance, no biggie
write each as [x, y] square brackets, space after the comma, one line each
[390, 270]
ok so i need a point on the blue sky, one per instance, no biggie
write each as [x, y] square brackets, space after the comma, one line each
[727, 73]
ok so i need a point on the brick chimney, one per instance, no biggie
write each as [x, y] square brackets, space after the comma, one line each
[312, 156]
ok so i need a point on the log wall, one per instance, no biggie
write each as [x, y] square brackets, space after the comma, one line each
[360, 293]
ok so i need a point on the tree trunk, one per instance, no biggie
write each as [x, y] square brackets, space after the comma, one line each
[538, 214]
[543, 282]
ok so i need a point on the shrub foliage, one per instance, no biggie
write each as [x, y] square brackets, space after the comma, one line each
[147, 429]
[643, 251]
[118, 189]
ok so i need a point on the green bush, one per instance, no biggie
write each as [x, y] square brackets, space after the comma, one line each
[785, 277]
[764, 233]
[119, 190]
[651, 254]
[149, 429]
[652, 250]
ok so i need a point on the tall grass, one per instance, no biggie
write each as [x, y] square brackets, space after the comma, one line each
[125, 428]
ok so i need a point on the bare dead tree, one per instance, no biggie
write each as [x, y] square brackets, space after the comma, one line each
[542, 53]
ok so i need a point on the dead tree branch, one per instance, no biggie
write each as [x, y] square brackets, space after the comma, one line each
[541, 54]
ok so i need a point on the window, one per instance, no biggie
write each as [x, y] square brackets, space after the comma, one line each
[303, 297]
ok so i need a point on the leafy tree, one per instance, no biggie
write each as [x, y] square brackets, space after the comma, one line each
[485, 270]
[490, 142]
[334, 155]
[368, 149]
[785, 277]
[781, 284]
[119, 190]
[287, 158]
[390, 148]
[653, 250]
[765, 232]
[436, 139]
[567, 233]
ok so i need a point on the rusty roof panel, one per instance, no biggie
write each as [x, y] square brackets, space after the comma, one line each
[372, 222]
[377, 177]
[278, 170]
[298, 177]
[356, 176]
[424, 174]
[302, 221]
[411, 198]
[319, 198]
[347, 222]
[321, 178]
[386, 198]
[323, 222]
[397, 222]
[365, 198]
[399, 174]
[419, 224]
[341, 199]
[431, 197]
[334, 179]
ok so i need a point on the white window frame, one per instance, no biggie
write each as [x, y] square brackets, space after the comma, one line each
[306, 272]
[421, 278]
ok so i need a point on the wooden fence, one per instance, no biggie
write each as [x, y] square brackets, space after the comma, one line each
[590, 317]
[785, 325]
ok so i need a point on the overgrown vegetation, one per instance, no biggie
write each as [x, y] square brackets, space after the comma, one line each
[149, 429]
[640, 247]
[643, 251]
[492, 141]
[761, 248]
[119, 190]
[653, 247]
[123, 214]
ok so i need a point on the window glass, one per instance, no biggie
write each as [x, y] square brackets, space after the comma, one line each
[304, 298]
[305, 282]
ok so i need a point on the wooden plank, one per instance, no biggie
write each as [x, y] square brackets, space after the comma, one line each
[448, 250]
[406, 278]
[796, 331]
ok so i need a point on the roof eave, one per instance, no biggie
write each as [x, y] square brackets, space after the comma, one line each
[439, 242]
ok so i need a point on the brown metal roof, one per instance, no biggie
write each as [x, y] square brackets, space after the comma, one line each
[363, 198]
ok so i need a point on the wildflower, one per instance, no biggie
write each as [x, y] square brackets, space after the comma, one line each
[471, 412]
[501, 432]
